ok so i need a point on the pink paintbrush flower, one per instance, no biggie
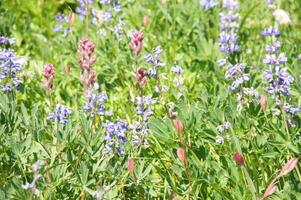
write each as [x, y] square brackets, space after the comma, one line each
[136, 42]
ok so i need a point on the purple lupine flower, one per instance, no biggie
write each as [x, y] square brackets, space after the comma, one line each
[59, 18]
[5, 40]
[207, 4]
[10, 66]
[64, 23]
[140, 129]
[224, 127]
[236, 73]
[154, 60]
[270, 32]
[275, 46]
[277, 77]
[178, 80]
[115, 136]
[57, 28]
[107, 16]
[61, 114]
[144, 106]
[95, 103]
[234, 70]
[230, 4]
[177, 70]
[228, 28]
[140, 132]
[82, 8]
[278, 81]
[117, 6]
[292, 110]
[118, 30]
[222, 62]
[270, 60]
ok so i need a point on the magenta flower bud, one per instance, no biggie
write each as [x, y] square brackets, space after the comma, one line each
[141, 77]
[136, 42]
[48, 71]
[239, 159]
[86, 47]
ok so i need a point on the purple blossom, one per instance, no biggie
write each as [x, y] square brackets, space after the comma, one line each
[277, 78]
[234, 70]
[275, 46]
[290, 109]
[10, 66]
[144, 106]
[61, 114]
[140, 132]
[207, 4]
[230, 4]
[279, 81]
[82, 8]
[95, 103]
[57, 28]
[270, 32]
[5, 40]
[228, 27]
[224, 127]
[115, 136]
[177, 70]
[59, 18]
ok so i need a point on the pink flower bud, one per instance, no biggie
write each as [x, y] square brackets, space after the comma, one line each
[239, 159]
[141, 77]
[269, 191]
[71, 18]
[136, 42]
[146, 21]
[288, 167]
[48, 71]
[181, 154]
[131, 166]
[263, 102]
[178, 124]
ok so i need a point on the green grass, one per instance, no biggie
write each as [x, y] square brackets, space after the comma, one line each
[76, 163]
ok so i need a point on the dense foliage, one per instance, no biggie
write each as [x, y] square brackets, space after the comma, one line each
[150, 99]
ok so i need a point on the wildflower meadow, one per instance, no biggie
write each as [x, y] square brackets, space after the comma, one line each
[150, 99]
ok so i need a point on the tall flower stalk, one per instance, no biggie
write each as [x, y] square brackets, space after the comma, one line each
[85, 50]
